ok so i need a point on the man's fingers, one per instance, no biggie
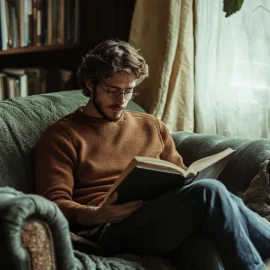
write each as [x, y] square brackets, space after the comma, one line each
[120, 218]
[118, 212]
[129, 207]
[127, 210]
[131, 204]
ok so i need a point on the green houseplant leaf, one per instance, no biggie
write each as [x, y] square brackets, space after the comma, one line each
[232, 6]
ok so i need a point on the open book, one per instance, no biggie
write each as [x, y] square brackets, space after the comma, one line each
[145, 178]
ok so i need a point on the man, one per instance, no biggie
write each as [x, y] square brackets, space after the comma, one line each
[78, 158]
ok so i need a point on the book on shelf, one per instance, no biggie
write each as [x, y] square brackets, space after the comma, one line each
[17, 83]
[3, 86]
[26, 23]
[24, 81]
[145, 177]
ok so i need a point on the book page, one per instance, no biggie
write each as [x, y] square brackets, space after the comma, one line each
[203, 163]
[155, 163]
[214, 170]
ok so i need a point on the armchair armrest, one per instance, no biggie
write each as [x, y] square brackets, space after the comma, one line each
[37, 239]
[33, 230]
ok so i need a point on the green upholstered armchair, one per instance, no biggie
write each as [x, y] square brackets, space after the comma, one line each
[34, 234]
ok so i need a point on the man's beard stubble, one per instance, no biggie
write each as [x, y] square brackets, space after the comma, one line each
[99, 109]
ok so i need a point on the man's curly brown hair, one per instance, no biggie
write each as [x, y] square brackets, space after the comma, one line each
[109, 58]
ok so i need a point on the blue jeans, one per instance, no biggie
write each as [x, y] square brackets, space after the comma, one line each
[201, 210]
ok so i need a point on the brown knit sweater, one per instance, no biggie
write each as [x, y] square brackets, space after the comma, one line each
[79, 157]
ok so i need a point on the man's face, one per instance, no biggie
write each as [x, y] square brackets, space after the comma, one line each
[111, 109]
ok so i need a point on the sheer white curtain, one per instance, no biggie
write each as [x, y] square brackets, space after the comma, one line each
[232, 69]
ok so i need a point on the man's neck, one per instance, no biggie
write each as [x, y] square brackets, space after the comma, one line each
[90, 110]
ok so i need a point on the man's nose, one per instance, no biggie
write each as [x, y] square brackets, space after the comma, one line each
[121, 98]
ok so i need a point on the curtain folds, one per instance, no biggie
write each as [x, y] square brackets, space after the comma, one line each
[163, 30]
[232, 70]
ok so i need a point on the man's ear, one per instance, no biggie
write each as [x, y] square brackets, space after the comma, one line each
[89, 85]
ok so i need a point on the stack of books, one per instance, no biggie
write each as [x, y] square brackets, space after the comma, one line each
[15, 82]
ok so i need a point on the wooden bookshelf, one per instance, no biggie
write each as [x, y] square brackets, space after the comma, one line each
[32, 49]
[95, 24]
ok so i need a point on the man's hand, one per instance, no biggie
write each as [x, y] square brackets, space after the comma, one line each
[108, 212]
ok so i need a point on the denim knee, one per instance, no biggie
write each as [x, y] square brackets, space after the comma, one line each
[205, 191]
[211, 185]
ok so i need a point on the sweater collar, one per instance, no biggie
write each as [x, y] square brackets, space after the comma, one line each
[92, 119]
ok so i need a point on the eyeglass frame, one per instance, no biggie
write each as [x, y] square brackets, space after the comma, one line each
[134, 93]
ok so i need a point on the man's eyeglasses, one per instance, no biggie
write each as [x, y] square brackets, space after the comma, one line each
[129, 95]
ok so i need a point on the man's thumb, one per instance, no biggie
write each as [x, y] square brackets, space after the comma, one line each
[113, 198]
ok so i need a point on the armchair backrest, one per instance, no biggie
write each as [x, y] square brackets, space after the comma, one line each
[22, 121]
[243, 166]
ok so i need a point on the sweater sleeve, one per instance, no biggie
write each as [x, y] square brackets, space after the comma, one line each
[169, 152]
[55, 160]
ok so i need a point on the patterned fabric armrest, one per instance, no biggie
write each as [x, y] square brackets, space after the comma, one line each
[37, 240]
[22, 237]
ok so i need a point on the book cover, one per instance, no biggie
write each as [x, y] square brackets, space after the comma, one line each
[146, 178]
